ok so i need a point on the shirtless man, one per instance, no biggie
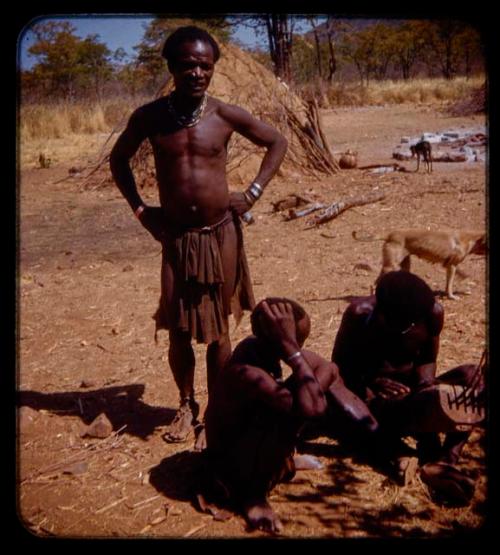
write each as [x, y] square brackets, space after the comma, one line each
[204, 269]
[386, 350]
[253, 415]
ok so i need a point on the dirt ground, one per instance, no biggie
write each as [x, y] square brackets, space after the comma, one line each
[89, 285]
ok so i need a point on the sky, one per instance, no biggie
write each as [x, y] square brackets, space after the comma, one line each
[116, 32]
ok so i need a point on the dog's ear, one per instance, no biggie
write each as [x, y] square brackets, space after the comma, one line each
[480, 246]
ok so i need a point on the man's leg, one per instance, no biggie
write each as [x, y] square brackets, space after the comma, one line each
[182, 363]
[218, 353]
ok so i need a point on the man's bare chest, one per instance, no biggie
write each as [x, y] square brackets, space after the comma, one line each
[207, 139]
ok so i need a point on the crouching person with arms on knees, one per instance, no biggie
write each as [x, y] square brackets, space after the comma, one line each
[254, 415]
[386, 350]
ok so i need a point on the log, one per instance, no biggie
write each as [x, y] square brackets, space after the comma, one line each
[336, 208]
[291, 201]
[294, 214]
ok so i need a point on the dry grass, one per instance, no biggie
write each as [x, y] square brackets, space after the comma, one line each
[58, 120]
[378, 93]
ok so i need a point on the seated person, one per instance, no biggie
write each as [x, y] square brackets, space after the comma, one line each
[253, 415]
[386, 350]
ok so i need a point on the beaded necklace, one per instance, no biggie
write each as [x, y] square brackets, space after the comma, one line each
[187, 120]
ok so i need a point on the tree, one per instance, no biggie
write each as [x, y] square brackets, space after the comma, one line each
[66, 62]
[56, 47]
[444, 38]
[94, 61]
[316, 33]
[371, 50]
[409, 42]
[470, 40]
[279, 32]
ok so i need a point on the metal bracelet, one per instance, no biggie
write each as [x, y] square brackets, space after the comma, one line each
[139, 210]
[255, 190]
[298, 354]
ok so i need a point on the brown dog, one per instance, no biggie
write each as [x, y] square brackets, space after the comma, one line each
[448, 248]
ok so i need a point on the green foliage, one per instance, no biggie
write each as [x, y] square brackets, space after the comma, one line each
[336, 50]
[66, 62]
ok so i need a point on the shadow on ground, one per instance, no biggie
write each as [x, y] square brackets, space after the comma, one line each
[121, 404]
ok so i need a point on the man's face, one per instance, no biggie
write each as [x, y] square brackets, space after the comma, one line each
[397, 325]
[193, 68]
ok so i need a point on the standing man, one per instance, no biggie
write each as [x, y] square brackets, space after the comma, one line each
[204, 274]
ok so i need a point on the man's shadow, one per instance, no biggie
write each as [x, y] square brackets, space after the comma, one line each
[121, 404]
[180, 476]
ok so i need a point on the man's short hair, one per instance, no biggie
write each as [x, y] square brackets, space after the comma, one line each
[298, 313]
[189, 33]
[404, 295]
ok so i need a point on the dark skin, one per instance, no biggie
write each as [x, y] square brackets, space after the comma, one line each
[390, 359]
[191, 172]
[394, 357]
[248, 386]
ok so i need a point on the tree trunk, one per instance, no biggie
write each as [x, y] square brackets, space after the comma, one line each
[280, 44]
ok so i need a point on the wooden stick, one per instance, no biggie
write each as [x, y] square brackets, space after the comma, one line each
[293, 214]
[337, 208]
[111, 505]
[324, 140]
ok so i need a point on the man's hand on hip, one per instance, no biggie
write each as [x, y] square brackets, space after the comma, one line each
[238, 202]
[153, 219]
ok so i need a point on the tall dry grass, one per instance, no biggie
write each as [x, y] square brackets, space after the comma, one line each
[61, 119]
[378, 93]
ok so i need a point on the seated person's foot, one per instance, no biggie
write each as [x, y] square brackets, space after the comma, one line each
[406, 470]
[201, 441]
[260, 516]
[447, 483]
[182, 425]
[306, 462]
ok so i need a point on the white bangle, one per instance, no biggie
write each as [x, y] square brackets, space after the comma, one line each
[139, 210]
[298, 354]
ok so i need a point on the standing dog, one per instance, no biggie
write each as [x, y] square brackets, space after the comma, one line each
[424, 149]
[448, 248]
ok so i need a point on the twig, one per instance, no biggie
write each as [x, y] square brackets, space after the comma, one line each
[110, 506]
[143, 502]
[195, 529]
[105, 444]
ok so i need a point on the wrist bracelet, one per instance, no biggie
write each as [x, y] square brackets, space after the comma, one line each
[298, 354]
[139, 210]
[249, 199]
[255, 191]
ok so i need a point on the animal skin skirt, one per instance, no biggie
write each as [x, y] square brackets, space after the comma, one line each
[197, 304]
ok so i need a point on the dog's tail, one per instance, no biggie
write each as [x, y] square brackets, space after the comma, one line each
[361, 237]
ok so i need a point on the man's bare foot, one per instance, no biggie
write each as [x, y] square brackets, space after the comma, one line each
[201, 441]
[260, 516]
[182, 425]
